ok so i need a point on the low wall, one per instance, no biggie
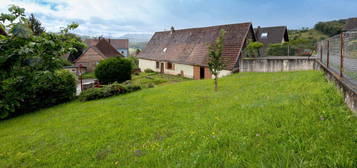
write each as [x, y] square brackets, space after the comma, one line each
[276, 64]
[348, 89]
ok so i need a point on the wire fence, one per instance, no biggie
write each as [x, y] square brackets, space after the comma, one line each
[339, 54]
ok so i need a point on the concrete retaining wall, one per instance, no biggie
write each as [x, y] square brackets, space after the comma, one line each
[348, 89]
[276, 64]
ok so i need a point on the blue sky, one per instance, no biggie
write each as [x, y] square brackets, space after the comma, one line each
[118, 17]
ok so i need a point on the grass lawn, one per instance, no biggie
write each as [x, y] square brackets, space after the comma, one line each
[145, 79]
[291, 119]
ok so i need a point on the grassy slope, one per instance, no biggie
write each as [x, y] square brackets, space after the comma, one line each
[293, 119]
[312, 33]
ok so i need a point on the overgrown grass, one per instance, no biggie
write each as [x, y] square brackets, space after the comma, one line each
[146, 79]
[293, 119]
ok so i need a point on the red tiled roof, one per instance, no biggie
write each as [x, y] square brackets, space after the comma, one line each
[102, 47]
[190, 46]
[108, 50]
[116, 43]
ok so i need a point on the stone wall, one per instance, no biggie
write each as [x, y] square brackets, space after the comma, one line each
[276, 64]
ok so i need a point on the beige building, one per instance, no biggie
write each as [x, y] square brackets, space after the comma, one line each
[95, 53]
[185, 52]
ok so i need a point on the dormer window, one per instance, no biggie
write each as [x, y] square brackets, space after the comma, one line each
[264, 35]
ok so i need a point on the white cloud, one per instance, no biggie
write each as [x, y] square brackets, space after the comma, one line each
[104, 17]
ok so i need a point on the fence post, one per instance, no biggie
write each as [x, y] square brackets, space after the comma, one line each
[328, 54]
[321, 49]
[341, 53]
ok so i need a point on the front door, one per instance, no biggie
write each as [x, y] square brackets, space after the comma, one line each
[202, 72]
[162, 68]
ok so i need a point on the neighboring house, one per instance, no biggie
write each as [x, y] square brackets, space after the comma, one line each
[271, 35]
[95, 53]
[121, 45]
[75, 69]
[185, 52]
[351, 25]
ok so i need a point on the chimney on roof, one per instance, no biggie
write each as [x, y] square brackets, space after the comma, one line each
[172, 30]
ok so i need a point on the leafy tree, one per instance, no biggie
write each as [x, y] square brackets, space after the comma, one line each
[35, 25]
[30, 65]
[77, 44]
[330, 28]
[215, 63]
[280, 49]
[252, 49]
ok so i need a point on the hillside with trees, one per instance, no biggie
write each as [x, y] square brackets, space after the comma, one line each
[303, 41]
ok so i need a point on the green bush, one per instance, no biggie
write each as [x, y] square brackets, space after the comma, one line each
[149, 71]
[278, 49]
[33, 91]
[113, 70]
[252, 49]
[107, 91]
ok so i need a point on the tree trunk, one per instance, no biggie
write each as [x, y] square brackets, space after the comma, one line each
[215, 83]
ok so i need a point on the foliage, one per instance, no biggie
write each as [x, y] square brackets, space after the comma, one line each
[77, 44]
[148, 70]
[252, 49]
[283, 119]
[134, 62]
[35, 25]
[296, 47]
[114, 69]
[36, 90]
[279, 49]
[330, 28]
[107, 91]
[215, 63]
[25, 60]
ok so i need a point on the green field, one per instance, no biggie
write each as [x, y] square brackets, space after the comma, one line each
[292, 119]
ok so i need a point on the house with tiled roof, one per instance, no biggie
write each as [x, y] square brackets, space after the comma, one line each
[185, 52]
[271, 35]
[97, 50]
[121, 45]
[351, 25]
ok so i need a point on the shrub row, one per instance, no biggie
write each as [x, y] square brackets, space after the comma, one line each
[35, 90]
[107, 91]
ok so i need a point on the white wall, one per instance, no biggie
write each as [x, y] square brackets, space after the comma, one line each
[186, 69]
[223, 73]
[147, 64]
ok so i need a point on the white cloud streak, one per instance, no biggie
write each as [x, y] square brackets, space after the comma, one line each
[104, 17]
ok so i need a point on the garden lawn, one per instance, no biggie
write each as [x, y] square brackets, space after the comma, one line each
[291, 119]
[151, 79]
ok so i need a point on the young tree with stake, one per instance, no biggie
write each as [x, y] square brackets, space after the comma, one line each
[215, 63]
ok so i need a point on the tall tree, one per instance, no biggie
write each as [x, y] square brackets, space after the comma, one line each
[215, 63]
[35, 25]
